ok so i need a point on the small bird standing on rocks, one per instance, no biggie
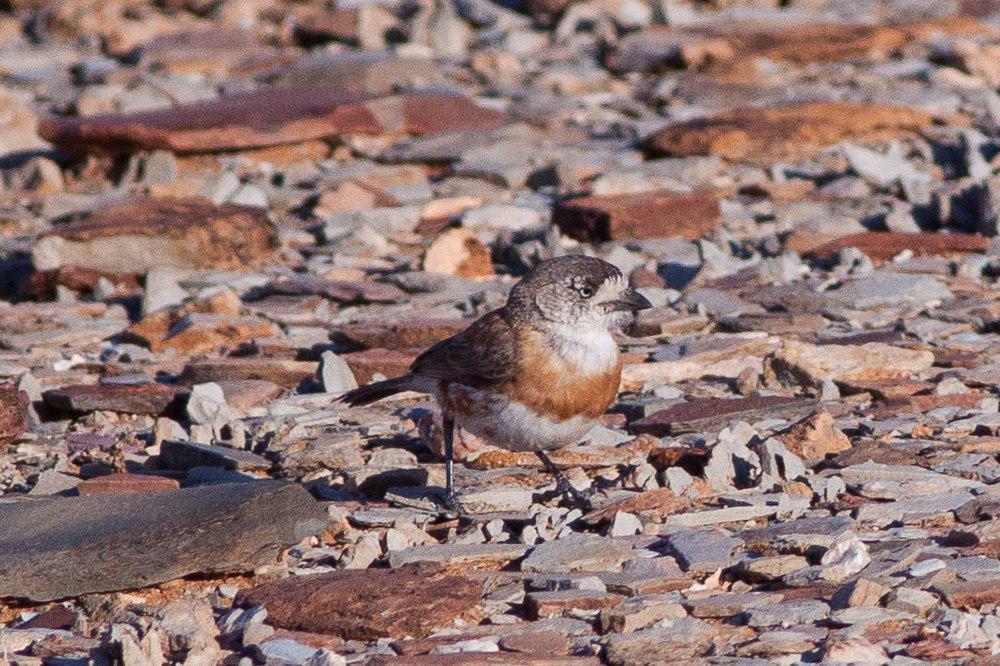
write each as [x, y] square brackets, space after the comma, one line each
[535, 374]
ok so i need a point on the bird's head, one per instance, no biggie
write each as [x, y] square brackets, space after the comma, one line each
[579, 291]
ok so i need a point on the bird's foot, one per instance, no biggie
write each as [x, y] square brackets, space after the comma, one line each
[447, 506]
[573, 496]
[563, 485]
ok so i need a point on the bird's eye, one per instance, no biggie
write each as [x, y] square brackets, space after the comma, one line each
[585, 292]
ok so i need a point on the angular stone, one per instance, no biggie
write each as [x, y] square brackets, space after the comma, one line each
[655, 504]
[577, 553]
[13, 412]
[197, 333]
[547, 604]
[875, 360]
[493, 499]
[126, 483]
[702, 550]
[138, 235]
[813, 437]
[61, 547]
[283, 372]
[147, 398]
[473, 555]
[334, 451]
[459, 252]
[176, 454]
[970, 594]
[729, 605]
[266, 117]
[365, 605]
[640, 612]
[785, 133]
[708, 413]
[672, 640]
[642, 215]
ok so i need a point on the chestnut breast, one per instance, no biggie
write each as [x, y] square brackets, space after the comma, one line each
[554, 386]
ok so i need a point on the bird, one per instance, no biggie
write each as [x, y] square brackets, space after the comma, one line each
[533, 375]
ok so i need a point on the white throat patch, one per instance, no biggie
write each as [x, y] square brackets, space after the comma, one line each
[592, 349]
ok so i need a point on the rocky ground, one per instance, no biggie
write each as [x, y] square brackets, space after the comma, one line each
[217, 216]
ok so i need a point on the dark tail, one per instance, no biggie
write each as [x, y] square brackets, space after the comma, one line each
[365, 395]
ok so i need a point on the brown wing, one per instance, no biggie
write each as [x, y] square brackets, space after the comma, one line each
[482, 356]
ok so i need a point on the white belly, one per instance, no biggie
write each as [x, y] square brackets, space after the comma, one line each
[509, 424]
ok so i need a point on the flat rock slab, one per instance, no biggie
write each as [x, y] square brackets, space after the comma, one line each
[884, 245]
[280, 371]
[148, 398]
[708, 413]
[792, 132]
[365, 605]
[177, 454]
[266, 117]
[68, 547]
[871, 361]
[577, 553]
[135, 236]
[641, 215]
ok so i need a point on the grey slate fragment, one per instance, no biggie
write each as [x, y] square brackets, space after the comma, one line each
[176, 454]
[58, 548]
[702, 550]
[577, 553]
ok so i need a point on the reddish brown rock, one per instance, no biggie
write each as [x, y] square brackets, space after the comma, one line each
[266, 117]
[13, 412]
[387, 362]
[126, 483]
[793, 132]
[546, 604]
[640, 215]
[135, 236]
[655, 504]
[705, 413]
[405, 334]
[970, 594]
[884, 245]
[42, 284]
[368, 604]
[198, 333]
[149, 398]
[281, 372]
[813, 437]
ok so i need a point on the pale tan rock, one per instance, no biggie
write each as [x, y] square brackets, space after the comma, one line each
[459, 252]
[813, 437]
[875, 360]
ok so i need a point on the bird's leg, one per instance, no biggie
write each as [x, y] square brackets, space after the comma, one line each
[563, 484]
[448, 431]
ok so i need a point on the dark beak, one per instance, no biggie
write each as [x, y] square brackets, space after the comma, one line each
[631, 301]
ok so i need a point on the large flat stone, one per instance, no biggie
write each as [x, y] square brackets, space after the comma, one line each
[764, 136]
[640, 215]
[67, 547]
[138, 235]
[266, 117]
[367, 604]
[707, 413]
[148, 398]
